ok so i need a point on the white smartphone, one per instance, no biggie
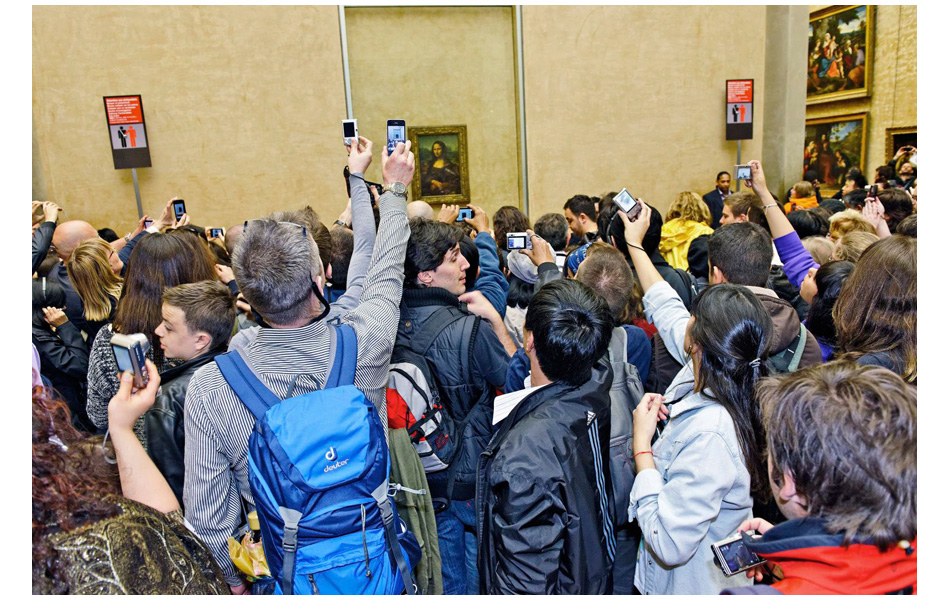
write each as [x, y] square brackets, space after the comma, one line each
[350, 133]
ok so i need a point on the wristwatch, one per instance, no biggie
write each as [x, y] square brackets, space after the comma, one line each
[398, 188]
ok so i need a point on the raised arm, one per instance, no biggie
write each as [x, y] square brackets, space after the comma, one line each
[491, 281]
[364, 225]
[140, 478]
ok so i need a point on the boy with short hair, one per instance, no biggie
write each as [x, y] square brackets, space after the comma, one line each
[197, 322]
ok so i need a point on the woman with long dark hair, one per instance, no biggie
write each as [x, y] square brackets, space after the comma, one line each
[159, 261]
[695, 483]
[876, 313]
[820, 289]
[99, 531]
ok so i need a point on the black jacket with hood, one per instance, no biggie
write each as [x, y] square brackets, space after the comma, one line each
[543, 508]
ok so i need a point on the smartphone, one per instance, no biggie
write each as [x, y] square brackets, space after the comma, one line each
[129, 352]
[217, 232]
[734, 556]
[179, 207]
[148, 223]
[628, 204]
[872, 191]
[743, 172]
[464, 213]
[395, 133]
[350, 133]
[519, 241]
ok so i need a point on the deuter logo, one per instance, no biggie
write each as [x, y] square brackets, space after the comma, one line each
[331, 456]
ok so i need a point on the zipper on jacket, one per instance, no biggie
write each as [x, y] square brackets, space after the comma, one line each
[369, 573]
[313, 584]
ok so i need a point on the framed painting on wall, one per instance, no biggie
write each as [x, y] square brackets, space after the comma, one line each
[441, 164]
[832, 146]
[840, 47]
[896, 138]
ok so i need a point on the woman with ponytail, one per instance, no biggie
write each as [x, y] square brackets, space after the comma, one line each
[695, 482]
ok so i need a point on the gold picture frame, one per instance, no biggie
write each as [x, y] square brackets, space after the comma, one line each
[441, 174]
[890, 134]
[840, 53]
[832, 146]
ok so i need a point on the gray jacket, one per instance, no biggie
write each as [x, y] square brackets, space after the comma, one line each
[699, 492]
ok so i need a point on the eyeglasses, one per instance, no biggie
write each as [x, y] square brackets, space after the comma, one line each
[302, 228]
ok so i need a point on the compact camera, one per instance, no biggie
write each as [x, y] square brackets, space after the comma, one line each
[130, 351]
[733, 556]
[744, 172]
[628, 204]
[519, 241]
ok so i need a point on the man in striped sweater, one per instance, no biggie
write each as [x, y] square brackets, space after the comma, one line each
[279, 270]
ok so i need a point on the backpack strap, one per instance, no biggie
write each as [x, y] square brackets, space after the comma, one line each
[799, 349]
[289, 546]
[250, 390]
[343, 351]
[430, 329]
[381, 494]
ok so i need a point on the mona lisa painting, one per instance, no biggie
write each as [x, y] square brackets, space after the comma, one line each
[441, 164]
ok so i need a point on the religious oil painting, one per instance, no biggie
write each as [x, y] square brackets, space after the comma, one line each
[840, 48]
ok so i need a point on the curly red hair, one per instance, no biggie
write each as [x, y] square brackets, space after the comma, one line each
[71, 482]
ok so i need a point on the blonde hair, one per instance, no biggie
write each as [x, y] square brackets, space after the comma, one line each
[690, 207]
[92, 276]
[852, 244]
[847, 221]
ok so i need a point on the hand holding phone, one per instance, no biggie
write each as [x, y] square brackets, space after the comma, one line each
[179, 207]
[628, 204]
[733, 555]
[129, 352]
[395, 133]
[744, 172]
[465, 213]
[350, 132]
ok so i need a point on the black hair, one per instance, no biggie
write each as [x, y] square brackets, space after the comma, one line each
[428, 243]
[721, 173]
[857, 177]
[651, 240]
[743, 252]
[908, 226]
[808, 223]
[552, 227]
[733, 329]
[571, 325]
[581, 204]
[341, 252]
[54, 296]
[607, 211]
[470, 252]
[855, 199]
[519, 292]
[828, 279]
[108, 234]
[883, 174]
[811, 176]
[832, 205]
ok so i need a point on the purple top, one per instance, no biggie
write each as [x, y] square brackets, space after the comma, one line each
[796, 260]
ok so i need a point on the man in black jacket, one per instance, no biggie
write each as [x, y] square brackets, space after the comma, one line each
[197, 321]
[715, 199]
[545, 522]
[468, 350]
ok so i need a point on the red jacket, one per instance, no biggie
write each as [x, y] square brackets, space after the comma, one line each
[814, 562]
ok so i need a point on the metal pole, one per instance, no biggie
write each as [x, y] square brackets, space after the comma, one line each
[738, 159]
[138, 195]
[346, 64]
[521, 109]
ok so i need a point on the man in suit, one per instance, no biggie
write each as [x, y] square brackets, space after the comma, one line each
[714, 199]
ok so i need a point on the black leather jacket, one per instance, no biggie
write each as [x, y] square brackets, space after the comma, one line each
[543, 483]
[467, 367]
[165, 422]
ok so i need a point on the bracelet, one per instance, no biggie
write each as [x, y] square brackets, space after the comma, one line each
[768, 206]
[637, 247]
[128, 237]
[650, 452]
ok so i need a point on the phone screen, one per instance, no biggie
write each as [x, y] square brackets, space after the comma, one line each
[517, 241]
[349, 129]
[464, 213]
[394, 135]
[179, 206]
[624, 200]
[215, 232]
[148, 222]
[743, 172]
[738, 556]
[123, 358]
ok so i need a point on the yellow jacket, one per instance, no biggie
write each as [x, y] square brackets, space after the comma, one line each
[675, 238]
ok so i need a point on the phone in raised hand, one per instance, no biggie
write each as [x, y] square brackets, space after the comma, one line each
[179, 207]
[395, 133]
[628, 204]
[350, 132]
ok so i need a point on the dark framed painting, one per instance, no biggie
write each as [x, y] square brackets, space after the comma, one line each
[840, 50]
[832, 146]
[441, 164]
[896, 138]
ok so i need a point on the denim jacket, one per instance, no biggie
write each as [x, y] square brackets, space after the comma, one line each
[699, 492]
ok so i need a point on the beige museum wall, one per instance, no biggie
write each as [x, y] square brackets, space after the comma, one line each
[893, 101]
[242, 104]
[447, 66]
[634, 96]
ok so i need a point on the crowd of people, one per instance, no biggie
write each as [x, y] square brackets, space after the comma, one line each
[594, 399]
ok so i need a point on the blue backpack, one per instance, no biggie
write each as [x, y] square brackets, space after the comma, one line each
[318, 468]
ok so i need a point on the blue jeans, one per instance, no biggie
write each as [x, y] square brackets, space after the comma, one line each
[458, 547]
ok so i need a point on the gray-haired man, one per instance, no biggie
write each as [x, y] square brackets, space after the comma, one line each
[280, 272]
